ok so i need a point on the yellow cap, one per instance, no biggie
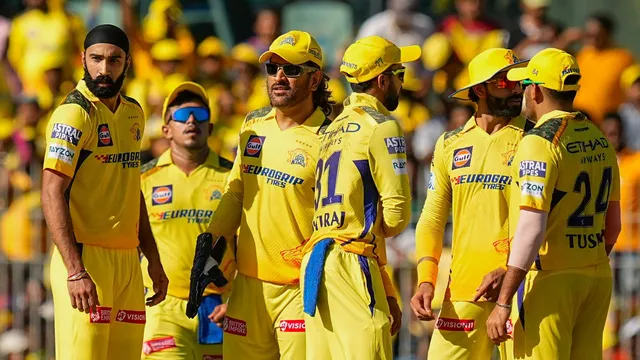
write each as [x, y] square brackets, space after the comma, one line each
[211, 46]
[166, 50]
[185, 86]
[629, 76]
[296, 47]
[536, 4]
[485, 66]
[549, 68]
[436, 50]
[371, 56]
[245, 53]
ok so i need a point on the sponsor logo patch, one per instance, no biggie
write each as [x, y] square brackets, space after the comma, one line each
[215, 195]
[61, 153]
[462, 158]
[432, 181]
[102, 315]
[127, 159]
[159, 344]
[292, 326]
[396, 145]
[131, 316]
[399, 166]
[66, 133]
[254, 146]
[234, 326]
[162, 195]
[532, 188]
[455, 324]
[533, 168]
[193, 216]
[298, 157]
[104, 136]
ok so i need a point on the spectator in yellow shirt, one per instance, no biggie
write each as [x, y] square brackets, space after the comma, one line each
[248, 81]
[626, 254]
[39, 32]
[601, 65]
[212, 54]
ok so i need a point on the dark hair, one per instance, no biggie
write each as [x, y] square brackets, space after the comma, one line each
[605, 20]
[613, 116]
[564, 96]
[362, 87]
[322, 95]
[473, 96]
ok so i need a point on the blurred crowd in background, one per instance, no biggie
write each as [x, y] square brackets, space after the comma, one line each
[40, 46]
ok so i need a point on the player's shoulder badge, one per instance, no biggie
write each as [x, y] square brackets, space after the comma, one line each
[449, 134]
[148, 166]
[258, 113]
[462, 157]
[376, 115]
[298, 157]
[549, 129]
[76, 97]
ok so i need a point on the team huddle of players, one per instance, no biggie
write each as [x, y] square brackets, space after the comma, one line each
[307, 204]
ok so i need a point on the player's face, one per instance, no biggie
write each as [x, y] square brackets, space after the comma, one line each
[105, 68]
[392, 97]
[190, 134]
[504, 97]
[287, 91]
[611, 129]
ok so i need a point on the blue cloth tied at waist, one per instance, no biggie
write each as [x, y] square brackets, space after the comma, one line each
[209, 332]
[313, 276]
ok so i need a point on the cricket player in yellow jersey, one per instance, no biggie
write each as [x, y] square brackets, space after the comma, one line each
[362, 197]
[470, 176]
[564, 219]
[94, 209]
[182, 189]
[270, 197]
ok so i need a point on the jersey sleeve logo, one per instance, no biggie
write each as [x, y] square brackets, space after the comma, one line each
[432, 181]
[66, 133]
[104, 136]
[162, 195]
[396, 145]
[533, 168]
[135, 130]
[532, 188]
[61, 153]
[462, 158]
[254, 146]
[399, 166]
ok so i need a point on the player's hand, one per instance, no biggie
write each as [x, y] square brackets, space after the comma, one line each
[160, 283]
[83, 294]
[421, 302]
[218, 313]
[497, 325]
[490, 286]
[396, 314]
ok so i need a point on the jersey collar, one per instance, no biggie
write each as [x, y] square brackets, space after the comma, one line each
[212, 159]
[314, 121]
[362, 99]
[553, 114]
[82, 87]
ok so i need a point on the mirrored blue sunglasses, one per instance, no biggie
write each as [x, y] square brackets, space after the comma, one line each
[182, 115]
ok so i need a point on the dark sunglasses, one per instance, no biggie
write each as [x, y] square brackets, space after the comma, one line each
[182, 115]
[289, 70]
[400, 72]
[503, 83]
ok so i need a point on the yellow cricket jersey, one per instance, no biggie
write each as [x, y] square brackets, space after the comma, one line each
[100, 151]
[566, 167]
[180, 207]
[470, 176]
[362, 187]
[269, 195]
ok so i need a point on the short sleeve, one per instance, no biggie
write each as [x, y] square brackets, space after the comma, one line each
[536, 172]
[68, 132]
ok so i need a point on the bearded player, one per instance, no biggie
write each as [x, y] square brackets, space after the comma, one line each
[470, 175]
[94, 209]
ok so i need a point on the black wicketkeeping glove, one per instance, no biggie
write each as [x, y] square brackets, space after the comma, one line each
[205, 269]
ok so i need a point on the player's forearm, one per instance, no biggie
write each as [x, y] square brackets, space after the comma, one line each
[429, 235]
[389, 289]
[58, 218]
[613, 225]
[226, 219]
[512, 281]
[528, 238]
[148, 244]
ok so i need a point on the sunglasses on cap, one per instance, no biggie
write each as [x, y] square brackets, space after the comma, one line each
[289, 70]
[503, 83]
[399, 71]
[200, 114]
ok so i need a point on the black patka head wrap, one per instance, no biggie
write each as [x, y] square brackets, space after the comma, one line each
[107, 34]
